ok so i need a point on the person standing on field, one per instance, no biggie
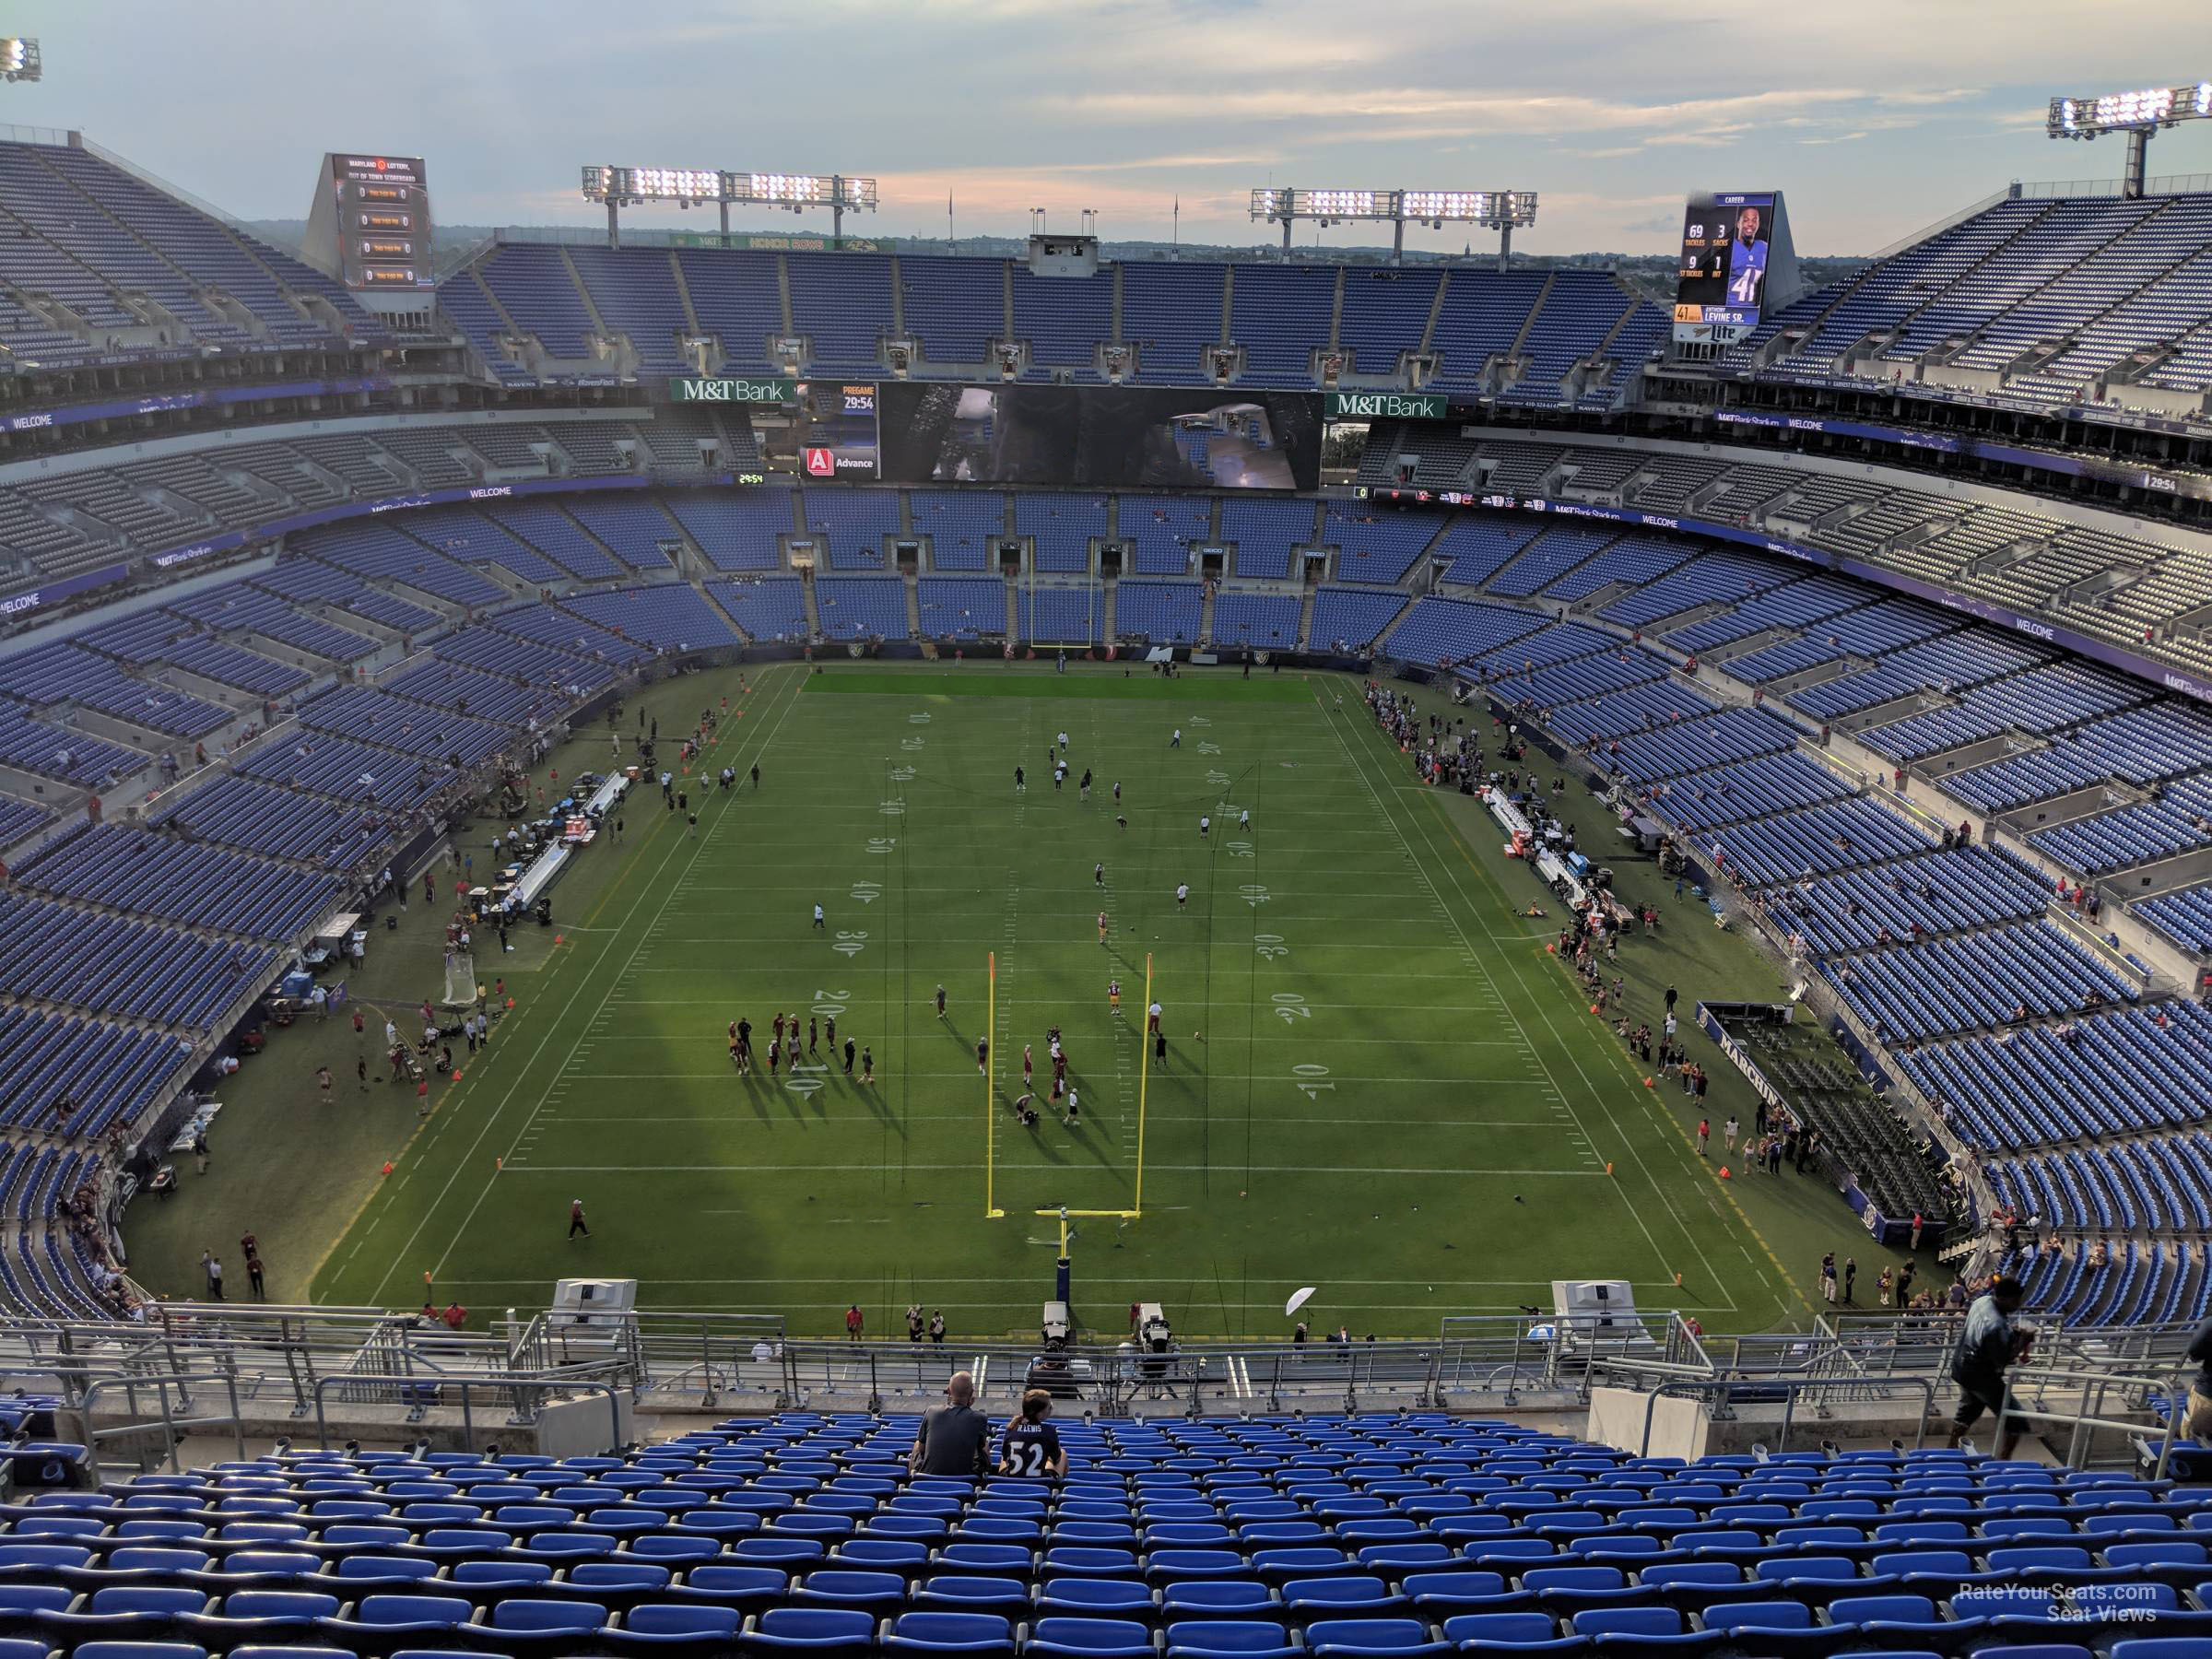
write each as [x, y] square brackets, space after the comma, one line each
[576, 1218]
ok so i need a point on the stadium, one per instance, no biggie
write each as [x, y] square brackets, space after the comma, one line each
[1469, 928]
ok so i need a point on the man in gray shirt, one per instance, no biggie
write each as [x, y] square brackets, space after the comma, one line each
[955, 1438]
[1988, 1345]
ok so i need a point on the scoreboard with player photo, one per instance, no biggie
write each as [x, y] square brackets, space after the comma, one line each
[1726, 244]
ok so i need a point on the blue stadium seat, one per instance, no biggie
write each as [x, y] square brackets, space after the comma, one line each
[979, 1633]
[540, 1628]
[1076, 1638]
[1230, 1639]
[405, 1614]
[1355, 1593]
[660, 1625]
[1511, 1633]
[957, 1592]
[875, 1593]
[1355, 1637]
[1218, 1598]
[811, 1629]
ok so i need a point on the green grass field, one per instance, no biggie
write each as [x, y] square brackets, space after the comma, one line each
[1390, 1093]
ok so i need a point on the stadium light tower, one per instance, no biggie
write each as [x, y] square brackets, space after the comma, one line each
[20, 59]
[621, 187]
[1499, 210]
[2136, 115]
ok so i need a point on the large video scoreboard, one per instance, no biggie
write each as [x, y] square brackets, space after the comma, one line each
[1725, 243]
[830, 432]
[370, 223]
[1140, 436]
[1738, 262]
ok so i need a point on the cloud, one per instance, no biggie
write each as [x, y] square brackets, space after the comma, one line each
[1380, 115]
[1877, 117]
[1162, 163]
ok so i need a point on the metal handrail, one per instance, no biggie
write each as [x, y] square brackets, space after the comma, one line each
[305, 1351]
[1681, 1387]
[173, 1426]
[523, 1387]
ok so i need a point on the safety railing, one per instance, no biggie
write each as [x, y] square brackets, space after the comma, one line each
[269, 1349]
[2039, 1394]
[526, 1396]
[1502, 1364]
[712, 1354]
[1716, 1394]
[2087, 1384]
[2165, 184]
[173, 1412]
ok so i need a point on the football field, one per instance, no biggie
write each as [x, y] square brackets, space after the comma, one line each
[1375, 1082]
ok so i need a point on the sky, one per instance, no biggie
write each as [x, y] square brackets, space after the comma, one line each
[1877, 117]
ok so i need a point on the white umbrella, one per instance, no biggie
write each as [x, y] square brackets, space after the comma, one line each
[1298, 1300]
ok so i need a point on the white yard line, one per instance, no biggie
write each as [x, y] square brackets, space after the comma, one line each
[844, 1165]
[560, 1023]
[1475, 961]
[1535, 1002]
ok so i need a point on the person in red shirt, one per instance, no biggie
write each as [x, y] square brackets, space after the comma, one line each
[1704, 1135]
[852, 1323]
[455, 1316]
